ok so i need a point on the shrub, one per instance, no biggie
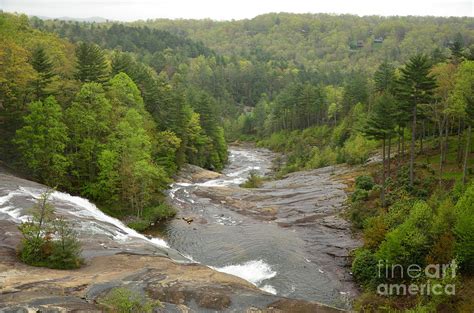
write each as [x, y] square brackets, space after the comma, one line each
[49, 241]
[359, 195]
[364, 182]
[66, 249]
[409, 242]
[253, 181]
[123, 300]
[375, 229]
[357, 149]
[464, 230]
[151, 215]
[364, 267]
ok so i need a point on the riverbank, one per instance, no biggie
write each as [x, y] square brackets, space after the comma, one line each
[179, 287]
[116, 256]
[287, 237]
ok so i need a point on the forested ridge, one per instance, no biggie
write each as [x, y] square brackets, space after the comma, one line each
[99, 122]
[111, 111]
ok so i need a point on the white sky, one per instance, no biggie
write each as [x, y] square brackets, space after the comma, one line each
[128, 10]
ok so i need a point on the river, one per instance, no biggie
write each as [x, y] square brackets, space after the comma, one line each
[285, 237]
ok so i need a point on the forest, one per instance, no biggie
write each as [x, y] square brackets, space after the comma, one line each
[111, 111]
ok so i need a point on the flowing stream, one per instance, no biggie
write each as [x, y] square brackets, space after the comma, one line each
[284, 237]
[281, 237]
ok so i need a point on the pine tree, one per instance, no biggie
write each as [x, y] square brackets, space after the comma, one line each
[91, 64]
[415, 87]
[380, 126]
[384, 77]
[43, 66]
[457, 49]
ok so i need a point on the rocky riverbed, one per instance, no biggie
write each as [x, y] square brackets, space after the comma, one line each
[117, 256]
[286, 237]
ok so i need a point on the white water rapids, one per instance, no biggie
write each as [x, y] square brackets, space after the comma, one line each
[94, 226]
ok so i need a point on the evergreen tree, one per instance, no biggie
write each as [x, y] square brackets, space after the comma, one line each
[42, 141]
[91, 64]
[457, 49]
[122, 63]
[49, 240]
[355, 90]
[380, 126]
[384, 77]
[43, 66]
[415, 87]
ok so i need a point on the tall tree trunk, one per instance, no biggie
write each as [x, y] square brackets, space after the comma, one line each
[422, 135]
[466, 154]
[398, 153]
[382, 194]
[412, 147]
[441, 153]
[446, 146]
[460, 154]
[388, 156]
[403, 144]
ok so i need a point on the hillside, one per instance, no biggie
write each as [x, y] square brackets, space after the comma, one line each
[325, 42]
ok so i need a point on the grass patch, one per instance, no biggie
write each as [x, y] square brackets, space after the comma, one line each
[123, 300]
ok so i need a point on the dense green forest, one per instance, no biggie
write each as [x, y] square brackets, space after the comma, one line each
[111, 111]
[99, 122]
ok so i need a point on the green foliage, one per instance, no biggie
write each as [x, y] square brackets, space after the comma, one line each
[364, 267]
[123, 300]
[141, 179]
[364, 182]
[375, 229]
[123, 91]
[359, 195]
[357, 149]
[381, 122]
[42, 141]
[253, 181]
[44, 67]
[89, 125]
[151, 215]
[91, 64]
[47, 240]
[464, 230]
[415, 87]
[384, 78]
[66, 249]
[409, 242]
[322, 158]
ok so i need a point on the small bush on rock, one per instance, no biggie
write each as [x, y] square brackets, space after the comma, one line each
[48, 241]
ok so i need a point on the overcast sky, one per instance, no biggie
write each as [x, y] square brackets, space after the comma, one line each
[128, 10]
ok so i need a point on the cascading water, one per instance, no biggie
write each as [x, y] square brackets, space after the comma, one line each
[94, 226]
[255, 271]
[99, 233]
[229, 231]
